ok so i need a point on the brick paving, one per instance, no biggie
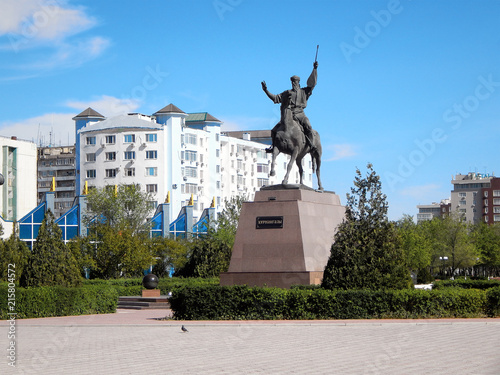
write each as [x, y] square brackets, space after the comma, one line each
[137, 342]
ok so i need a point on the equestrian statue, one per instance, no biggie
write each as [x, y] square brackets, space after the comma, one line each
[293, 135]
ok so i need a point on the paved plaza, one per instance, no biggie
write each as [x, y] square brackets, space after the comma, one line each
[140, 342]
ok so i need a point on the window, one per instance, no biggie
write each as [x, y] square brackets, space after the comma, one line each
[190, 155]
[240, 164]
[129, 155]
[496, 218]
[190, 172]
[262, 182]
[130, 172]
[217, 152]
[90, 141]
[262, 168]
[129, 138]
[152, 154]
[189, 188]
[462, 195]
[91, 173]
[151, 188]
[496, 193]
[217, 168]
[110, 173]
[110, 156]
[151, 137]
[152, 205]
[496, 210]
[110, 139]
[151, 171]
[190, 138]
[90, 157]
[496, 201]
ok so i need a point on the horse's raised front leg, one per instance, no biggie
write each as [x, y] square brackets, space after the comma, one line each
[273, 161]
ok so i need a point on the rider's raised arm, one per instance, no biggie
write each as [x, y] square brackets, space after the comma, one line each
[269, 95]
[313, 78]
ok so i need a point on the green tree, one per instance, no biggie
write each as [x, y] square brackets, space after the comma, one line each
[169, 253]
[123, 207]
[416, 245]
[487, 241]
[13, 251]
[366, 252]
[116, 253]
[452, 239]
[210, 255]
[51, 262]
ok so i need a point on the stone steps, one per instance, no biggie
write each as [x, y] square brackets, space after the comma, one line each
[142, 303]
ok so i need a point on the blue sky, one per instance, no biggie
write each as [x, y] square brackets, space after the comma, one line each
[412, 87]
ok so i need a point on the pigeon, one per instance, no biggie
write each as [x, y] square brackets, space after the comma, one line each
[184, 329]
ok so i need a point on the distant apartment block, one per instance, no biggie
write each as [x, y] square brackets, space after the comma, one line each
[430, 211]
[57, 165]
[18, 193]
[475, 197]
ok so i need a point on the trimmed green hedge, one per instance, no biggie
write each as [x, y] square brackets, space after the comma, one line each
[133, 287]
[466, 284]
[245, 303]
[59, 301]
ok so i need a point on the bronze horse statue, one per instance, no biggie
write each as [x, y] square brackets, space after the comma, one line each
[288, 138]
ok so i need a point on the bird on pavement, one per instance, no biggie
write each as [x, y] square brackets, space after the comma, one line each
[184, 329]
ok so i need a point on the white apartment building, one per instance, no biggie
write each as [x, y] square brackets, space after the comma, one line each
[18, 193]
[175, 152]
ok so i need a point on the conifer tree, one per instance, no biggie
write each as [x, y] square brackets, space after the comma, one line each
[13, 251]
[366, 253]
[51, 262]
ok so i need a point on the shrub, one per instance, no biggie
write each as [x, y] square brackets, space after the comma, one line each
[243, 302]
[59, 301]
[493, 301]
[466, 284]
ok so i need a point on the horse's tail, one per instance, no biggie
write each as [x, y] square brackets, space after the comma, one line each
[313, 163]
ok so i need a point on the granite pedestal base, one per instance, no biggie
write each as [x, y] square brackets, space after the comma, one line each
[284, 237]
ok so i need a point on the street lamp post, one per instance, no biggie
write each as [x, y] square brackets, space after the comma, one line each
[444, 259]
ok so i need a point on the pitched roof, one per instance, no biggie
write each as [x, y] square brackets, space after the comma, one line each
[122, 122]
[169, 109]
[89, 112]
[201, 116]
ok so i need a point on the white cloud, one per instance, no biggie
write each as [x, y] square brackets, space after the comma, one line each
[45, 34]
[59, 128]
[50, 128]
[107, 106]
[31, 21]
[71, 55]
[340, 151]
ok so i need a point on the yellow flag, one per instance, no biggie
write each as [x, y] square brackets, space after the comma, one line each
[191, 201]
[53, 184]
[86, 188]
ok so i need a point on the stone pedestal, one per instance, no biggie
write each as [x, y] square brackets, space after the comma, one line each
[284, 237]
[150, 293]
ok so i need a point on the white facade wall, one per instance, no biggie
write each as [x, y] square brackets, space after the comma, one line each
[18, 194]
[191, 161]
